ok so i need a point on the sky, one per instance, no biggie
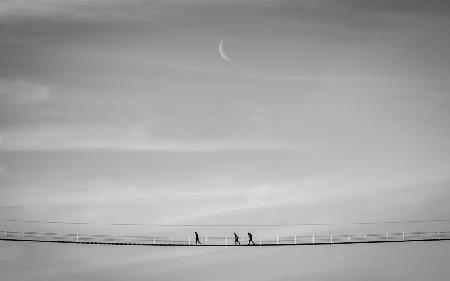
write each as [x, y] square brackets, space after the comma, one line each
[330, 111]
[393, 261]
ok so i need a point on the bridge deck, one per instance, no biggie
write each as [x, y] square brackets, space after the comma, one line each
[220, 245]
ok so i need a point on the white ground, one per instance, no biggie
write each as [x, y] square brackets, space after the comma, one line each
[422, 261]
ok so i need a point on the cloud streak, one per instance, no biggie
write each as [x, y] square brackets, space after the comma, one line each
[95, 10]
[22, 91]
[139, 138]
[78, 10]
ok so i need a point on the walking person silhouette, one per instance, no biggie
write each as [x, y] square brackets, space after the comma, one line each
[236, 239]
[250, 238]
[197, 240]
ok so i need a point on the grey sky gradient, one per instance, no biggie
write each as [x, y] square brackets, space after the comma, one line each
[397, 262]
[329, 110]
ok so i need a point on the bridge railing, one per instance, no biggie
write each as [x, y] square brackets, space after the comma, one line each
[225, 239]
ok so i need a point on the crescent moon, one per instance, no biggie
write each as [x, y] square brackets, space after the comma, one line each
[221, 52]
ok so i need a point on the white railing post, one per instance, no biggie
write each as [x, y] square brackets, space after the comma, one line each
[77, 237]
[387, 235]
[349, 239]
[189, 239]
[439, 235]
[43, 234]
[403, 236]
[331, 239]
[313, 239]
[260, 243]
[365, 236]
[206, 239]
[5, 233]
[277, 239]
[23, 234]
[171, 239]
[226, 240]
[295, 240]
[59, 235]
[154, 240]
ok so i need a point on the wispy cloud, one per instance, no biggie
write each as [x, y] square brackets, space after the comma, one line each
[44, 8]
[54, 138]
[22, 91]
[2, 170]
[189, 202]
[95, 10]
[261, 76]
[121, 201]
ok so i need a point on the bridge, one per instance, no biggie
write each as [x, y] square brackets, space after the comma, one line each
[223, 241]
